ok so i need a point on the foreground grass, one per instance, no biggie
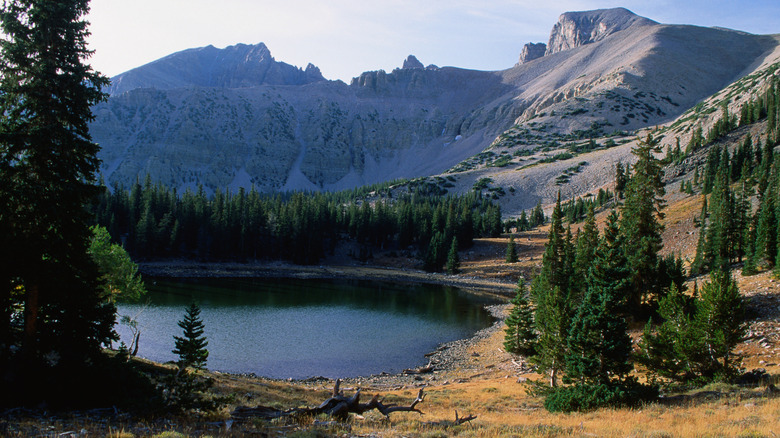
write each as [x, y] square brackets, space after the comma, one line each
[486, 387]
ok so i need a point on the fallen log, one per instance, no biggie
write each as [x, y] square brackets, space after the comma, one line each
[338, 406]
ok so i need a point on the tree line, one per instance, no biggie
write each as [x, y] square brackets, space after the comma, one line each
[153, 221]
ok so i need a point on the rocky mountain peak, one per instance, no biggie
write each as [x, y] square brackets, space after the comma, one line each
[532, 51]
[313, 73]
[237, 66]
[575, 29]
[412, 62]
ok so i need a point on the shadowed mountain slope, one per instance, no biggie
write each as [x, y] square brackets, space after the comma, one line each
[235, 117]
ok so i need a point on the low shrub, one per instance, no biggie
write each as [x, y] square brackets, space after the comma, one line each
[587, 397]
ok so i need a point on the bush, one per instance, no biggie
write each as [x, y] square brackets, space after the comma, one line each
[588, 397]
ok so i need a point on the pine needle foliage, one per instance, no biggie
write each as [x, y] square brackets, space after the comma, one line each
[191, 347]
[520, 334]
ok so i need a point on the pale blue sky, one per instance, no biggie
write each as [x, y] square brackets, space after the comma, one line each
[346, 37]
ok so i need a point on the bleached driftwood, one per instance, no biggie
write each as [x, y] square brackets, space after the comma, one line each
[337, 406]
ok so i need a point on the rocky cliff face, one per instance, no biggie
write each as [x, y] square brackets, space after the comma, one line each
[575, 29]
[532, 51]
[235, 117]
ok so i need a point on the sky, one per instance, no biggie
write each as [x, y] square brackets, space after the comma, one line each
[347, 37]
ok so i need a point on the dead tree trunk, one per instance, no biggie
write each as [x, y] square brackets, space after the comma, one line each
[338, 406]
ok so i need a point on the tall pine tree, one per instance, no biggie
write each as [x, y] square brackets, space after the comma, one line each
[47, 176]
[550, 292]
[640, 222]
[599, 348]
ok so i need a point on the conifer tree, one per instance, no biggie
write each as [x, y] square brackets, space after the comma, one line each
[511, 251]
[717, 247]
[621, 179]
[674, 348]
[191, 346]
[453, 260]
[720, 317]
[523, 224]
[742, 218]
[587, 242]
[698, 335]
[599, 347]
[640, 222]
[550, 292]
[537, 216]
[520, 333]
[47, 176]
[766, 239]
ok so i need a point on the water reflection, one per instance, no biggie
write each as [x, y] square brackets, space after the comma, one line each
[300, 328]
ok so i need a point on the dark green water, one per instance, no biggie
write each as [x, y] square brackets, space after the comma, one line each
[296, 328]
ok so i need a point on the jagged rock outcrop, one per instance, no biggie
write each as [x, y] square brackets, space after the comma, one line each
[235, 66]
[575, 29]
[412, 62]
[532, 51]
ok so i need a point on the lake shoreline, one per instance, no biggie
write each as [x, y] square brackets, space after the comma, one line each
[193, 269]
[454, 356]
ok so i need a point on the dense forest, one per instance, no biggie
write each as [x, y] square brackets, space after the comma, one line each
[152, 221]
[732, 230]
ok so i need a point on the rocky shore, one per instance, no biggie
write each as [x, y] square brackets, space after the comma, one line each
[190, 269]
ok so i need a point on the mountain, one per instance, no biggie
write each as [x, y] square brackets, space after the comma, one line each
[236, 66]
[235, 117]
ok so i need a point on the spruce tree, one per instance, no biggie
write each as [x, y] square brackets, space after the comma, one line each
[673, 349]
[599, 347]
[550, 292]
[587, 242]
[640, 222]
[621, 179]
[520, 333]
[537, 216]
[720, 318]
[191, 346]
[511, 251]
[453, 261]
[696, 340]
[47, 176]
[720, 224]
[523, 224]
[767, 223]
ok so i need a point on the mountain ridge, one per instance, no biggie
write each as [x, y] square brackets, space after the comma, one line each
[284, 130]
[235, 66]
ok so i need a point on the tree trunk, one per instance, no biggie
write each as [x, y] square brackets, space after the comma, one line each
[553, 376]
[136, 338]
[31, 309]
[5, 313]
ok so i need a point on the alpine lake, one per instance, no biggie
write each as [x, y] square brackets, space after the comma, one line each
[301, 328]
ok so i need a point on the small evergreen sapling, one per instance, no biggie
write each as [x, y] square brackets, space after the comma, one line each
[191, 348]
[521, 337]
